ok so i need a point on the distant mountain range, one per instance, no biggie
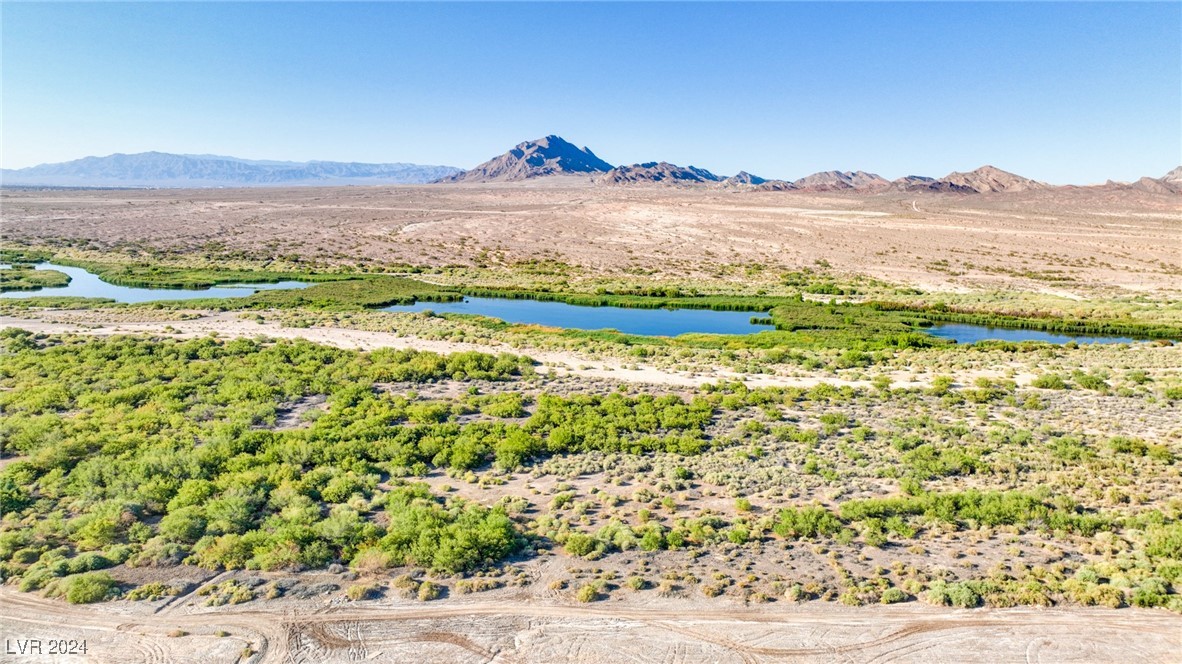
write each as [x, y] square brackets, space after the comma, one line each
[554, 156]
[545, 157]
[161, 169]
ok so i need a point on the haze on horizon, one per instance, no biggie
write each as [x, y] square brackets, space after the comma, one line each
[1063, 93]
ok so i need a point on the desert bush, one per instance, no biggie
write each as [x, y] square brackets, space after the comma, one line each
[477, 585]
[587, 593]
[361, 591]
[152, 591]
[90, 588]
[1049, 381]
[806, 522]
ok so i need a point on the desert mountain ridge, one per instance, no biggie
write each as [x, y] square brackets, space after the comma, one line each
[544, 157]
[658, 172]
[553, 155]
[163, 169]
[1170, 183]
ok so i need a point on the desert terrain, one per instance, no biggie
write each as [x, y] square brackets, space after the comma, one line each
[1073, 242]
[522, 629]
[637, 550]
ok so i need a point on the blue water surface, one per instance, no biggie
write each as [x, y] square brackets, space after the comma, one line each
[87, 284]
[964, 333]
[649, 322]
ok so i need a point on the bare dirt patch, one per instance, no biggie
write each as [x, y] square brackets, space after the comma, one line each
[1068, 241]
[676, 631]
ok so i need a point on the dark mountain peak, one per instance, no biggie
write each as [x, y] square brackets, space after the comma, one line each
[549, 155]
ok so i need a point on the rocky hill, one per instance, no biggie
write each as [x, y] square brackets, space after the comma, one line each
[658, 172]
[162, 169]
[743, 179]
[987, 179]
[1170, 183]
[546, 156]
[842, 181]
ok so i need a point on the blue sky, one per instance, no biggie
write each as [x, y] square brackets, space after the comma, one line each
[1056, 91]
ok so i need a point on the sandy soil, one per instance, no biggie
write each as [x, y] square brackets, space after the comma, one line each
[1067, 242]
[674, 631]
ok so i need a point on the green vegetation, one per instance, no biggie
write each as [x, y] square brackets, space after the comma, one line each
[976, 508]
[370, 292]
[1037, 320]
[152, 592]
[89, 588]
[152, 275]
[286, 455]
[14, 255]
[800, 323]
[20, 278]
[1050, 381]
[455, 538]
[113, 432]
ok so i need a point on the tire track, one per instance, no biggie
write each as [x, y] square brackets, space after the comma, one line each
[350, 634]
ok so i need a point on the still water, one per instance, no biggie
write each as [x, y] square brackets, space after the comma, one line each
[87, 284]
[964, 333]
[650, 322]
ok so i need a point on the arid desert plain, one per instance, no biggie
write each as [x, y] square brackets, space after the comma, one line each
[301, 476]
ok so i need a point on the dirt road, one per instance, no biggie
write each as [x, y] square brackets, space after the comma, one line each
[529, 632]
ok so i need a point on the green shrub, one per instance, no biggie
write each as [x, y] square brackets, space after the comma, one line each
[461, 539]
[1149, 593]
[959, 595]
[226, 592]
[429, 591]
[477, 585]
[587, 593]
[152, 591]
[1124, 445]
[806, 522]
[1164, 541]
[1049, 381]
[90, 588]
[504, 405]
[1090, 381]
[636, 583]
[361, 591]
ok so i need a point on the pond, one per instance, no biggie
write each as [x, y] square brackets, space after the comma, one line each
[87, 284]
[672, 322]
[650, 322]
[964, 333]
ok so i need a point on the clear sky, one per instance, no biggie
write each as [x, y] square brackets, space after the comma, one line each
[1056, 91]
